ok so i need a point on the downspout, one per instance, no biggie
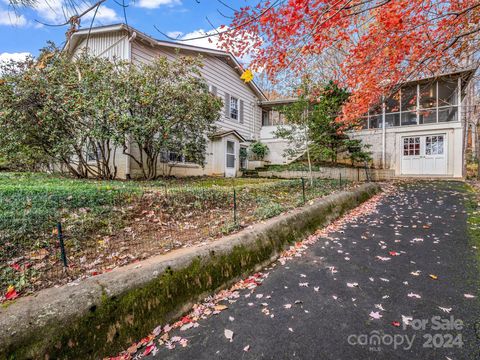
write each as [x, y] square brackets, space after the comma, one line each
[128, 161]
[384, 136]
[464, 126]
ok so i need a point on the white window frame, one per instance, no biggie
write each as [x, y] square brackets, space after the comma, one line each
[234, 108]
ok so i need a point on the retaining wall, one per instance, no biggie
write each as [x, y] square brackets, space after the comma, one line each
[353, 174]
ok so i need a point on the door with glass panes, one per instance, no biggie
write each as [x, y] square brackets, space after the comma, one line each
[424, 155]
[230, 159]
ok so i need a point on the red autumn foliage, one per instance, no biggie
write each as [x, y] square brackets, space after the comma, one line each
[380, 44]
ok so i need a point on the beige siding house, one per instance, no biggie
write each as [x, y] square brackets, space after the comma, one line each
[419, 131]
[241, 119]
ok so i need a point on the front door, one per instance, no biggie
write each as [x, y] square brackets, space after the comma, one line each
[230, 168]
[424, 155]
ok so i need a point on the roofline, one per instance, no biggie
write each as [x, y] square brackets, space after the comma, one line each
[221, 134]
[470, 71]
[278, 102]
[171, 44]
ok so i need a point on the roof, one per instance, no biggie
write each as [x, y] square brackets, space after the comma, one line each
[223, 133]
[234, 63]
[277, 102]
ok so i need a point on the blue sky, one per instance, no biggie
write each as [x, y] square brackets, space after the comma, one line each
[21, 33]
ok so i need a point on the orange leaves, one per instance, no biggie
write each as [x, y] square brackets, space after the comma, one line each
[371, 51]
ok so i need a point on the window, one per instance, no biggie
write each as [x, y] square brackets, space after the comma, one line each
[409, 98]
[428, 95]
[434, 145]
[233, 108]
[265, 118]
[411, 146]
[375, 121]
[447, 92]
[392, 104]
[93, 152]
[175, 157]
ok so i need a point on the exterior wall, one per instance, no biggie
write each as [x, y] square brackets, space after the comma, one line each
[112, 45]
[275, 145]
[116, 46]
[219, 74]
[393, 144]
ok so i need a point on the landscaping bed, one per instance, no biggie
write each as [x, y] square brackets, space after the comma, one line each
[106, 224]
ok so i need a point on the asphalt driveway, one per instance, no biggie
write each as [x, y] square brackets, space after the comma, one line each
[399, 283]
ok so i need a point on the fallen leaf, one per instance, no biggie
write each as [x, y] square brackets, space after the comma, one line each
[375, 315]
[434, 277]
[220, 307]
[395, 323]
[228, 334]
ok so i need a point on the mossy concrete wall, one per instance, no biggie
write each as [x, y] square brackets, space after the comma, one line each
[104, 314]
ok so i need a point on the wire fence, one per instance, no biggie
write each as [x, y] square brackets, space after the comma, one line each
[63, 231]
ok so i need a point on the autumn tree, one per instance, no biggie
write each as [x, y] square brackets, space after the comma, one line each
[378, 44]
[168, 110]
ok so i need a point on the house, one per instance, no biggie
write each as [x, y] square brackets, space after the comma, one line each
[419, 131]
[241, 118]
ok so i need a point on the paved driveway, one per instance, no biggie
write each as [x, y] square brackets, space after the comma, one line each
[410, 259]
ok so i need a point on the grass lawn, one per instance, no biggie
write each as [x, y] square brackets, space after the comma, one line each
[110, 223]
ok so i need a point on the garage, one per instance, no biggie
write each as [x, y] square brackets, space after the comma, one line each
[424, 155]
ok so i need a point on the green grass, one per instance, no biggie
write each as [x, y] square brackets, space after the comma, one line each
[31, 204]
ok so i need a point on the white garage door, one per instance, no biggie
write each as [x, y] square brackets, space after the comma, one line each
[424, 155]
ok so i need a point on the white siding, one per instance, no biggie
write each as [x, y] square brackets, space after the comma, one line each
[219, 74]
[112, 45]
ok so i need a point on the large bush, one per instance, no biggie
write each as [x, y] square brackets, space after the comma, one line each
[81, 112]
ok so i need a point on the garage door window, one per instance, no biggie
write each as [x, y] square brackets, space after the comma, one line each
[434, 145]
[411, 146]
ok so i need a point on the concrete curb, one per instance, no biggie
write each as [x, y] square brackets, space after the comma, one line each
[103, 314]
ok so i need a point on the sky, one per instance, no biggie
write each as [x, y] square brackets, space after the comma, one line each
[22, 31]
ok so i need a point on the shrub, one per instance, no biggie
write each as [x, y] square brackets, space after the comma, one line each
[259, 150]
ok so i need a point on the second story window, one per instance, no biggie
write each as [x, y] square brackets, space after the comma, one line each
[233, 108]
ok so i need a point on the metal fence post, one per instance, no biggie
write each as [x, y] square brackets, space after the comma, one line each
[303, 190]
[234, 206]
[62, 245]
[340, 174]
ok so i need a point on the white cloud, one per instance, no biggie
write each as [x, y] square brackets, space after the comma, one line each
[210, 42]
[153, 4]
[174, 34]
[18, 56]
[104, 14]
[57, 11]
[9, 18]
[201, 39]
